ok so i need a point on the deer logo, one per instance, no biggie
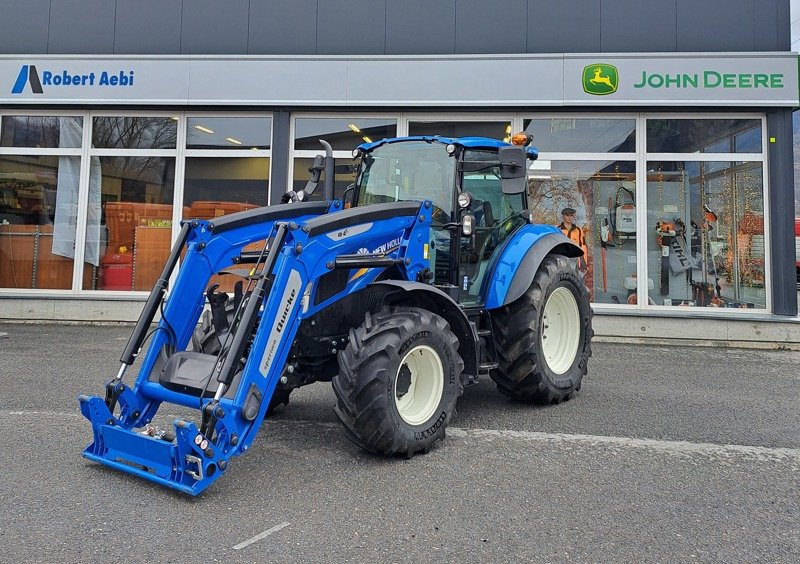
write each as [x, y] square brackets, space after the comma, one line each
[600, 79]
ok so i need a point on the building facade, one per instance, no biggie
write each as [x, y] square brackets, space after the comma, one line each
[666, 125]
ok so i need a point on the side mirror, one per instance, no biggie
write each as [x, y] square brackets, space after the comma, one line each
[513, 169]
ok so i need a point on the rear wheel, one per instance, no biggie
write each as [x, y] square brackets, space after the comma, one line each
[398, 382]
[544, 337]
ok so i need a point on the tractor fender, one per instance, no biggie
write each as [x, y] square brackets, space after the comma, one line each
[416, 294]
[520, 259]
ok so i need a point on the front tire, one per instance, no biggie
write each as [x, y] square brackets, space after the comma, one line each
[544, 337]
[398, 382]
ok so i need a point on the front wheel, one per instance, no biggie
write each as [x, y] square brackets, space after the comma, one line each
[398, 382]
[544, 337]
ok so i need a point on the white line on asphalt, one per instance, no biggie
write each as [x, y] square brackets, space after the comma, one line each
[260, 536]
[719, 451]
[685, 448]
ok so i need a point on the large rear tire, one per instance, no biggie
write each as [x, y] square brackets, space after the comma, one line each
[398, 382]
[544, 337]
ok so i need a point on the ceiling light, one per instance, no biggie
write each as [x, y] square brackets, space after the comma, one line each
[367, 139]
[354, 127]
[174, 118]
[204, 129]
[232, 140]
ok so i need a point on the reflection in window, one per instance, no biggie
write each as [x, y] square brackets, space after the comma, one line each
[41, 131]
[703, 135]
[228, 133]
[344, 134]
[218, 186]
[603, 195]
[583, 135]
[134, 133]
[129, 220]
[491, 129]
[38, 214]
[707, 221]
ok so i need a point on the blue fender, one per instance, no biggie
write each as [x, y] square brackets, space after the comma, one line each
[520, 258]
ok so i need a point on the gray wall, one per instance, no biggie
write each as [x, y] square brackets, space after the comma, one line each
[390, 26]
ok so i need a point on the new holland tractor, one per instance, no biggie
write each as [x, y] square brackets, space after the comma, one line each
[427, 276]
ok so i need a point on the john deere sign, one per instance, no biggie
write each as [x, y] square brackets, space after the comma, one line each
[691, 79]
[600, 79]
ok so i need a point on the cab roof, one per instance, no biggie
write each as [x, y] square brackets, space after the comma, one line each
[467, 142]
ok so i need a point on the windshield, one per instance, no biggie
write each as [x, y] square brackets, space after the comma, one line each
[408, 171]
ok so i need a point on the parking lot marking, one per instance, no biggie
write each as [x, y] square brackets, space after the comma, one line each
[260, 536]
[686, 448]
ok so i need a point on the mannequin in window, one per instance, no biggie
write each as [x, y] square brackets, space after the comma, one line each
[573, 232]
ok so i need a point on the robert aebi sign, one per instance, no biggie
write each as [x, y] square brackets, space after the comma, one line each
[29, 75]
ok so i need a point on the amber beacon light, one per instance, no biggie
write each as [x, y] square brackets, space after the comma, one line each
[522, 139]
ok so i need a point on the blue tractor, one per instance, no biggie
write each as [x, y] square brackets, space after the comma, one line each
[428, 275]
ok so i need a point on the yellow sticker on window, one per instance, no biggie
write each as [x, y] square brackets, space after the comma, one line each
[425, 251]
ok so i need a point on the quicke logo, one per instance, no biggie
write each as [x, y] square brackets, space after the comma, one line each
[600, 79]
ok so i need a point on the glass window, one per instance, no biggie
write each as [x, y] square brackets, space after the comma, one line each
[408, 171]
[38, 211]
[344, 173]
[218, 186]
[134, 132]
[602, 193]
[228, 133]
[129, 223]
[705, 244]
[491, 129]
[703, 135]
[41, 131]
[583, 135]
[344, 134]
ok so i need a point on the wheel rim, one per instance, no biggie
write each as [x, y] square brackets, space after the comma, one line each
[418, 385]
[561, 330]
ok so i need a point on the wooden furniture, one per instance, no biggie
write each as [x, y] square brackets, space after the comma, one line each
[150, 251]
[27, 260]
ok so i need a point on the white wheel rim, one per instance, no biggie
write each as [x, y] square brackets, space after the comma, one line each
[561, 330]
[425, 383]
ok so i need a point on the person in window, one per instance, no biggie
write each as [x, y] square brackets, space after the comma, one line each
[574, 233]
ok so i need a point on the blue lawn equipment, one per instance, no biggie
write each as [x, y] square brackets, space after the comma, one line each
[426, 277]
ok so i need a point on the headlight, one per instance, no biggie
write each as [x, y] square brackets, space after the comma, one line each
[464, 199]
[450, 149]
[356, 153]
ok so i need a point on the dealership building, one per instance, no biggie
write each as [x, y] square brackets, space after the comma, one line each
[666, 125]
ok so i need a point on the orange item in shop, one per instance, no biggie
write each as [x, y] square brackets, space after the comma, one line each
[204, 209]
[116, 271]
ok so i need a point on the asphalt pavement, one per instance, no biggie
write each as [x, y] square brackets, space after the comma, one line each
[667, 454]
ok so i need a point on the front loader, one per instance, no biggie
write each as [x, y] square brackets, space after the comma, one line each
[426, 277]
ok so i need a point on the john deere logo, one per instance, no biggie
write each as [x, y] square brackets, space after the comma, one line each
[600, 79]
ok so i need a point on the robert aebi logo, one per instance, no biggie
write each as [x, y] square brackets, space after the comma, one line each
[63, 78]
[600, 79]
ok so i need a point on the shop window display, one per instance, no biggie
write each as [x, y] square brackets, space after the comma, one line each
[129, 221]
[602, 193]
[230, 133]
[38, 205]
[705, 244]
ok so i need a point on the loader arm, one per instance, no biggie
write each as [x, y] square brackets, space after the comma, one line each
[282, 284]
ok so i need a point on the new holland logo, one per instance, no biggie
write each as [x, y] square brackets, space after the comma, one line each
[600, 79]
[27, 75]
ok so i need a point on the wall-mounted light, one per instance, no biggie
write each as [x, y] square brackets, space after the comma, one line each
[204, 129]
[232, 140]
[354, 127]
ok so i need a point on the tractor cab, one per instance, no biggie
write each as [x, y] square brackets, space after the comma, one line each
[478, 190]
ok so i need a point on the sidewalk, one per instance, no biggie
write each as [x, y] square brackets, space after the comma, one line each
[710, 328]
